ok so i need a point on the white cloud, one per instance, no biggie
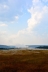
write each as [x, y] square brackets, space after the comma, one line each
[37, 12]
[16, 17]
[12, 22]
[3, 37]
[27, 39]
[35, 1]
[28, 36]
[3, 8]
[36, 16]
[2, 32]
[3, 24]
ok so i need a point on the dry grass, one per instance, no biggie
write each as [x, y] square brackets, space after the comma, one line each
[24, 61]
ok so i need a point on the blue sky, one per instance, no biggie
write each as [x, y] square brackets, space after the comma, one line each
[23, 22]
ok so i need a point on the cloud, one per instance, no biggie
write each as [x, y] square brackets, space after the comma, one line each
[27, 39]
[12, 22]
[37, 12]
[15, 20]
[3, 37]
[3, 24]
[16, 17]
[3, 8]
[2, 32]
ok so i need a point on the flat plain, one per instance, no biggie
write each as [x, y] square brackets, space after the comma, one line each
[23, 60]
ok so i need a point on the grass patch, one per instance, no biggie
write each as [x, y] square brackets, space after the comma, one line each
[24, 61]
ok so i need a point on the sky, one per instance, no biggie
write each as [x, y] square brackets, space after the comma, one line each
[24, 22]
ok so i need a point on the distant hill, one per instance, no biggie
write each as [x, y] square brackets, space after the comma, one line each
[5, 47]
[38, 46]
[32, 46]
[42, 47]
